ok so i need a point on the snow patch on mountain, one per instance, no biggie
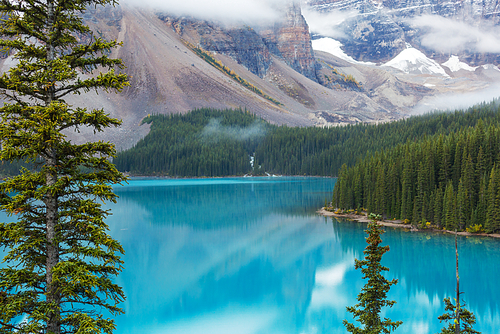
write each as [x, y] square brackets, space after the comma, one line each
[412, 61]
[490, 67]
[334, 47]
[455, 65]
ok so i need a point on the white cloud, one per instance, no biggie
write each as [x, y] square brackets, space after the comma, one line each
[228, 11]
[327, 24]
[448, 35]
[458, 100]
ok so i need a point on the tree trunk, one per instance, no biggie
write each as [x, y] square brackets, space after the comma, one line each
[51, 202]
[53, 296]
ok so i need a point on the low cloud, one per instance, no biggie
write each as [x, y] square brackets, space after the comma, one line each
[216, 131]
[327, 24]
[448, 35]
[451, 102]
[227, 11]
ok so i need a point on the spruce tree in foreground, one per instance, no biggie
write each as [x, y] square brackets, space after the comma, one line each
[58, 274]
[373, 296]
[457, 313]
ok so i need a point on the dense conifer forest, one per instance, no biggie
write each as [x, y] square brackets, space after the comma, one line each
[208, 142]
[203, 142]
[452, 181]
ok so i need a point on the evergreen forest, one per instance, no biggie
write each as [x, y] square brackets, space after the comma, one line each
[203, 142]
[451, 181]
[209, 142]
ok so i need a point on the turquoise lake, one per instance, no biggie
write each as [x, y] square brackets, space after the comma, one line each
[251, 256]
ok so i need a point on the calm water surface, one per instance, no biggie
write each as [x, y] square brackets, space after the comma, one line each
[250, 255]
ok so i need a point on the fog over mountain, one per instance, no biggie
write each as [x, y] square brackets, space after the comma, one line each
[315, 63]
[227, 11]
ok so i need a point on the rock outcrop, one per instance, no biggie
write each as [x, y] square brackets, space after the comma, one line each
[288, 39]
[368, 33]
[242, 44]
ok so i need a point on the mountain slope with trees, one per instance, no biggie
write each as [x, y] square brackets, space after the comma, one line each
[450, 180]
[204, 142]
[210, 142]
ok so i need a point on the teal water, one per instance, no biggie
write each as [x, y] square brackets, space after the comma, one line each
[249, 255]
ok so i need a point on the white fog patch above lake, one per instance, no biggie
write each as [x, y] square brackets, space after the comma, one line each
[214, 130]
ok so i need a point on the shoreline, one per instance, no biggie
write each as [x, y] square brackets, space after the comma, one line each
[397, 224]
[130, 176]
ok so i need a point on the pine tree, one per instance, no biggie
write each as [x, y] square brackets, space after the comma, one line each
[373, 296]
[60, 261]
[457, 314]
[493, 202]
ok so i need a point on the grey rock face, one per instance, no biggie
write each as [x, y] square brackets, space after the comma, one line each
[378, 30]
[243, 45]
[369, 34]
[288, 39]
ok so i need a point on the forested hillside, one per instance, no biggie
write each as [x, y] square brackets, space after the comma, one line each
[204, 142]
[210, 142]
[322, 151]
[450, 180]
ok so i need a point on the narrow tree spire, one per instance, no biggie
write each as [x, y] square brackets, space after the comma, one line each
[373, 296]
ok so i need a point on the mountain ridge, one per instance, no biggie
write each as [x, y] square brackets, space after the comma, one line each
[312, 88]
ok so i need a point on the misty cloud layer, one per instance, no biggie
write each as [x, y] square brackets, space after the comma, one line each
[451, 102]
[227, 11]
[215, 131]
[327, 24]
[448, 35]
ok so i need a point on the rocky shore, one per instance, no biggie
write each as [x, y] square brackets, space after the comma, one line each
[396, 223]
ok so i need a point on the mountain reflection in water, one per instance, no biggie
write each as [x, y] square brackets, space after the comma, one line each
[251, 256]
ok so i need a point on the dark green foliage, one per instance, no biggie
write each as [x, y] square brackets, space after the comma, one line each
[204, 142]
[322, 151]
[310, 151]
[373, 296]
[454, 193]
[60, 263]
[467, 319]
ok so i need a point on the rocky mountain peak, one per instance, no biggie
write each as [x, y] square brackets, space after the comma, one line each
[287, 39]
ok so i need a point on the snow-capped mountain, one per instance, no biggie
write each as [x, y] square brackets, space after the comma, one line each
[282, 72]
[377, 31]
[455, 65]
[413, 61]
[334, 48]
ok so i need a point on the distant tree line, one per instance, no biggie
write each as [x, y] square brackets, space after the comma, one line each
[452, 181]
[204, 142]
[207, 142]
[323, 151]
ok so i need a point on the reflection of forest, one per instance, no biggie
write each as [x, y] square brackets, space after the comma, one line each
[197, 250]
[224, 204]
[426, 262]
